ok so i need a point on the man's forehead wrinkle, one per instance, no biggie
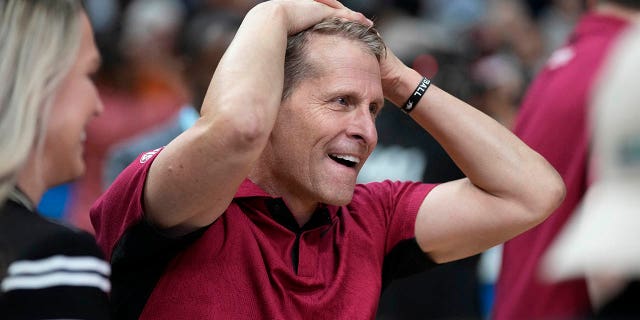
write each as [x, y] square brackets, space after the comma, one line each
[324, 56]
[341, 65]
[321, 47]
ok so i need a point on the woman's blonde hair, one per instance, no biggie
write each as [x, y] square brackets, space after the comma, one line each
[39, 40]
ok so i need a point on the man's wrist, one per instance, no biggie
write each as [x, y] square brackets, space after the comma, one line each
[417, 94]
[403, 87]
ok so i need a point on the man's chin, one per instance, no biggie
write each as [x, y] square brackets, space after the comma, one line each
[339, 197]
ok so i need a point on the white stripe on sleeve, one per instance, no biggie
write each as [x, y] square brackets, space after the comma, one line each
[61, 278]
[60, 262]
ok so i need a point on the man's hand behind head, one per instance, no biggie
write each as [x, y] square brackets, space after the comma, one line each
[302, 14]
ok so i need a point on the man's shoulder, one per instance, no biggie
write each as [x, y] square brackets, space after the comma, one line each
[385, 185]
[390, 192]
[135, 172]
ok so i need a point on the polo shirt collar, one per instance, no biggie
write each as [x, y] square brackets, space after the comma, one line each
[248, 189]
[323, 215]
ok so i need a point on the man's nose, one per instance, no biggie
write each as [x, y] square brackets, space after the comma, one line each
[362, 126]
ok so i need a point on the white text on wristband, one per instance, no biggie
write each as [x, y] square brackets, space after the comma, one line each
[417, 95]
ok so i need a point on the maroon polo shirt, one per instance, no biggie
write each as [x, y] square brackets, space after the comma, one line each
[255, 261]
[553, 121]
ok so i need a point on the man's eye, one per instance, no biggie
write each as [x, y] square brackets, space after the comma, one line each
[342, 101]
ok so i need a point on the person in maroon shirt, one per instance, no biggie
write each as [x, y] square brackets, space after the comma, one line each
[254, 212]
[553, 120]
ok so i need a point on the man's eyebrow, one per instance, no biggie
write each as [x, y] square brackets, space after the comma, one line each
[355, 94]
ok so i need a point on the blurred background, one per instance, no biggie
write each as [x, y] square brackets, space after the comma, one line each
[158, 56]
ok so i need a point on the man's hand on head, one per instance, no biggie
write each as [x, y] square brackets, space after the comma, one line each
[302, 14]
[332, 3]
[392, 70]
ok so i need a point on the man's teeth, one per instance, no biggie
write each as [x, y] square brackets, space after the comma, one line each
[347, 158]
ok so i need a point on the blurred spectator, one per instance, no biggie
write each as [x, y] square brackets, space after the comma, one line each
[601, 241]
[557, 21]
[499, 86]
[235, 7]
[104, 15]
[144, 89]
[553, 121]
[455, 15]
[205, 40]
[148, 43]
[509, 30]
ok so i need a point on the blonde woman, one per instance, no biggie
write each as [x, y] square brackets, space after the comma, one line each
[47, 97]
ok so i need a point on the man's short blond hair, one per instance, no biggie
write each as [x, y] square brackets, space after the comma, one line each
[296, 66]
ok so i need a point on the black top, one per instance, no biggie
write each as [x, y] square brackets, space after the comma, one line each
[49, 270]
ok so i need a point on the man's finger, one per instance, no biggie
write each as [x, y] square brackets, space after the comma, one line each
[332, 3]
[351, 15]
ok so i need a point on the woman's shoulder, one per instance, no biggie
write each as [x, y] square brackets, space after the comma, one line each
[33, 236]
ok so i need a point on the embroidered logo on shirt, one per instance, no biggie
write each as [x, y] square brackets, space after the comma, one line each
[145, 157]
[561, 57]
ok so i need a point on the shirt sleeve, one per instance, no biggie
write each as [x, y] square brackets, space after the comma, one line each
[395, 205]
[120, 207]
[138, 252]
[391, 208]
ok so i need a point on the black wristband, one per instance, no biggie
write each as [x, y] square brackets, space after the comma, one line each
[417, 95]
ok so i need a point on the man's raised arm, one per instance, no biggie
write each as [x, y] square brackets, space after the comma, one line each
[194, 178]
[509, 187]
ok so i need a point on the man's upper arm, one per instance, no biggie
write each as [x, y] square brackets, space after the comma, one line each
[195, 178]
[457, 220]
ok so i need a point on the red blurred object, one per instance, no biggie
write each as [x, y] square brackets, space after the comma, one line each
[426, 65]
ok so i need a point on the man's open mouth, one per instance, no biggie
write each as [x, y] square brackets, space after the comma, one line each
[345, 160]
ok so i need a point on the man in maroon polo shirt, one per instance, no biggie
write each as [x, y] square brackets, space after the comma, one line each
[553, 121]
[254, 212]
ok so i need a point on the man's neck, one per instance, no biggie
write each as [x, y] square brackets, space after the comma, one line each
[301, 211]
[300, 208]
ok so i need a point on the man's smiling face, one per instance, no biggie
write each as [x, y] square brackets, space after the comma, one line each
[326, 128]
